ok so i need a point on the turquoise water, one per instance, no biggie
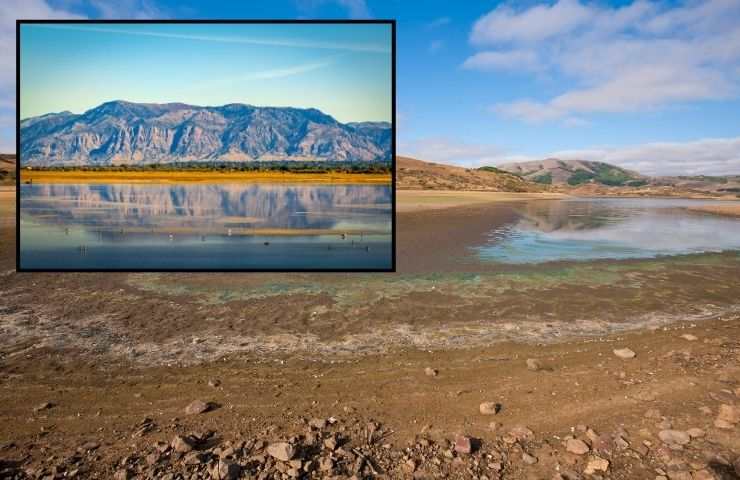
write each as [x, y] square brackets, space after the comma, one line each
[205, 226]
[604, 228]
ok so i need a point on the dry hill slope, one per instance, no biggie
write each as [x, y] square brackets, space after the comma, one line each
[7, 169]
[417, 174]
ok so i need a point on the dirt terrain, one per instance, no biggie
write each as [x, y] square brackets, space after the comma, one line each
[621, 370]
[7, 169]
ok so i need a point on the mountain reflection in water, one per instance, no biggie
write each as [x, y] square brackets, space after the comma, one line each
[609, 228]
[199, 219]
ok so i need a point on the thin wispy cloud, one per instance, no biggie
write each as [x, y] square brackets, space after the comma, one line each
[290, 71]
[292, 43]
[269, 74]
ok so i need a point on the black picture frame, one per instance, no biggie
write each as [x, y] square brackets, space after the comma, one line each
[20, 22]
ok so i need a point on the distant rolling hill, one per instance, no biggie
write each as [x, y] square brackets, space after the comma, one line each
[418, 174]
[7, 169]
[581, 177]
[553, 171]
[127, 133]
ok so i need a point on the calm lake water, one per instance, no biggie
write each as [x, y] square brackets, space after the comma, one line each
[206, 226]
[609, 228]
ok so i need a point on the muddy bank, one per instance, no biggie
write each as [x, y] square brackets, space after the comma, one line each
[441, 298]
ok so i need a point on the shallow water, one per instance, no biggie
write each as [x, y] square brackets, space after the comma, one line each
[608, 228]
[205, 226]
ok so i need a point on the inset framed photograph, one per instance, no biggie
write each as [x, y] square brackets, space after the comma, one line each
[206, 145]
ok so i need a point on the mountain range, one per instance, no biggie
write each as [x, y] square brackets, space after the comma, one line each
[127, 133]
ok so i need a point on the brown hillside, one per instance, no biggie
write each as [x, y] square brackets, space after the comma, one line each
[417, 174]
[7, 169]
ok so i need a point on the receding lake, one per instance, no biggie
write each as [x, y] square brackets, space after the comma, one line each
[609, 228]
[205, 226]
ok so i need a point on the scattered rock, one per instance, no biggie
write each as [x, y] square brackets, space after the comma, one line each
[463, 444]
[703, 475]
[727, 416]
[574, 445]
[194, 458]
[430, 372]
[282, 451]
[197, 407]
[225, 470]
[43, 406]
[182, 444]
[122, 474]
[331, 443]
[214, 382]
[520, 432]
[674, 437]
[88, 447]
[529, 459]
[624, 353]
[317, 423]
[596, 464]
[689, 337]
[489, 408]
[534, 364]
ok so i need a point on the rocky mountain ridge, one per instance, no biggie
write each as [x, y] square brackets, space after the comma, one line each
[127, 133]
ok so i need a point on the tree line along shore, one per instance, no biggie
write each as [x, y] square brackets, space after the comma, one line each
[330, 172]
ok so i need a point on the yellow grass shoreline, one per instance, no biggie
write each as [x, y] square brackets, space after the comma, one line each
[202, 177]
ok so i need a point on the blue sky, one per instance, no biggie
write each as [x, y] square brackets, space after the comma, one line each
[653, 86]
[343, 70]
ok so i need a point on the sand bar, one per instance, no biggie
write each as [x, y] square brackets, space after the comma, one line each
[418, 200]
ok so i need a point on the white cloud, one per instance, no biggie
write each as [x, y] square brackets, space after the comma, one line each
[504, 24]
[506, 60]
[128, 9]
[451, 151]
[713, 156]
[640, 56]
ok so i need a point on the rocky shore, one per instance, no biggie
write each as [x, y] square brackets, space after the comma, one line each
[663, 406]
